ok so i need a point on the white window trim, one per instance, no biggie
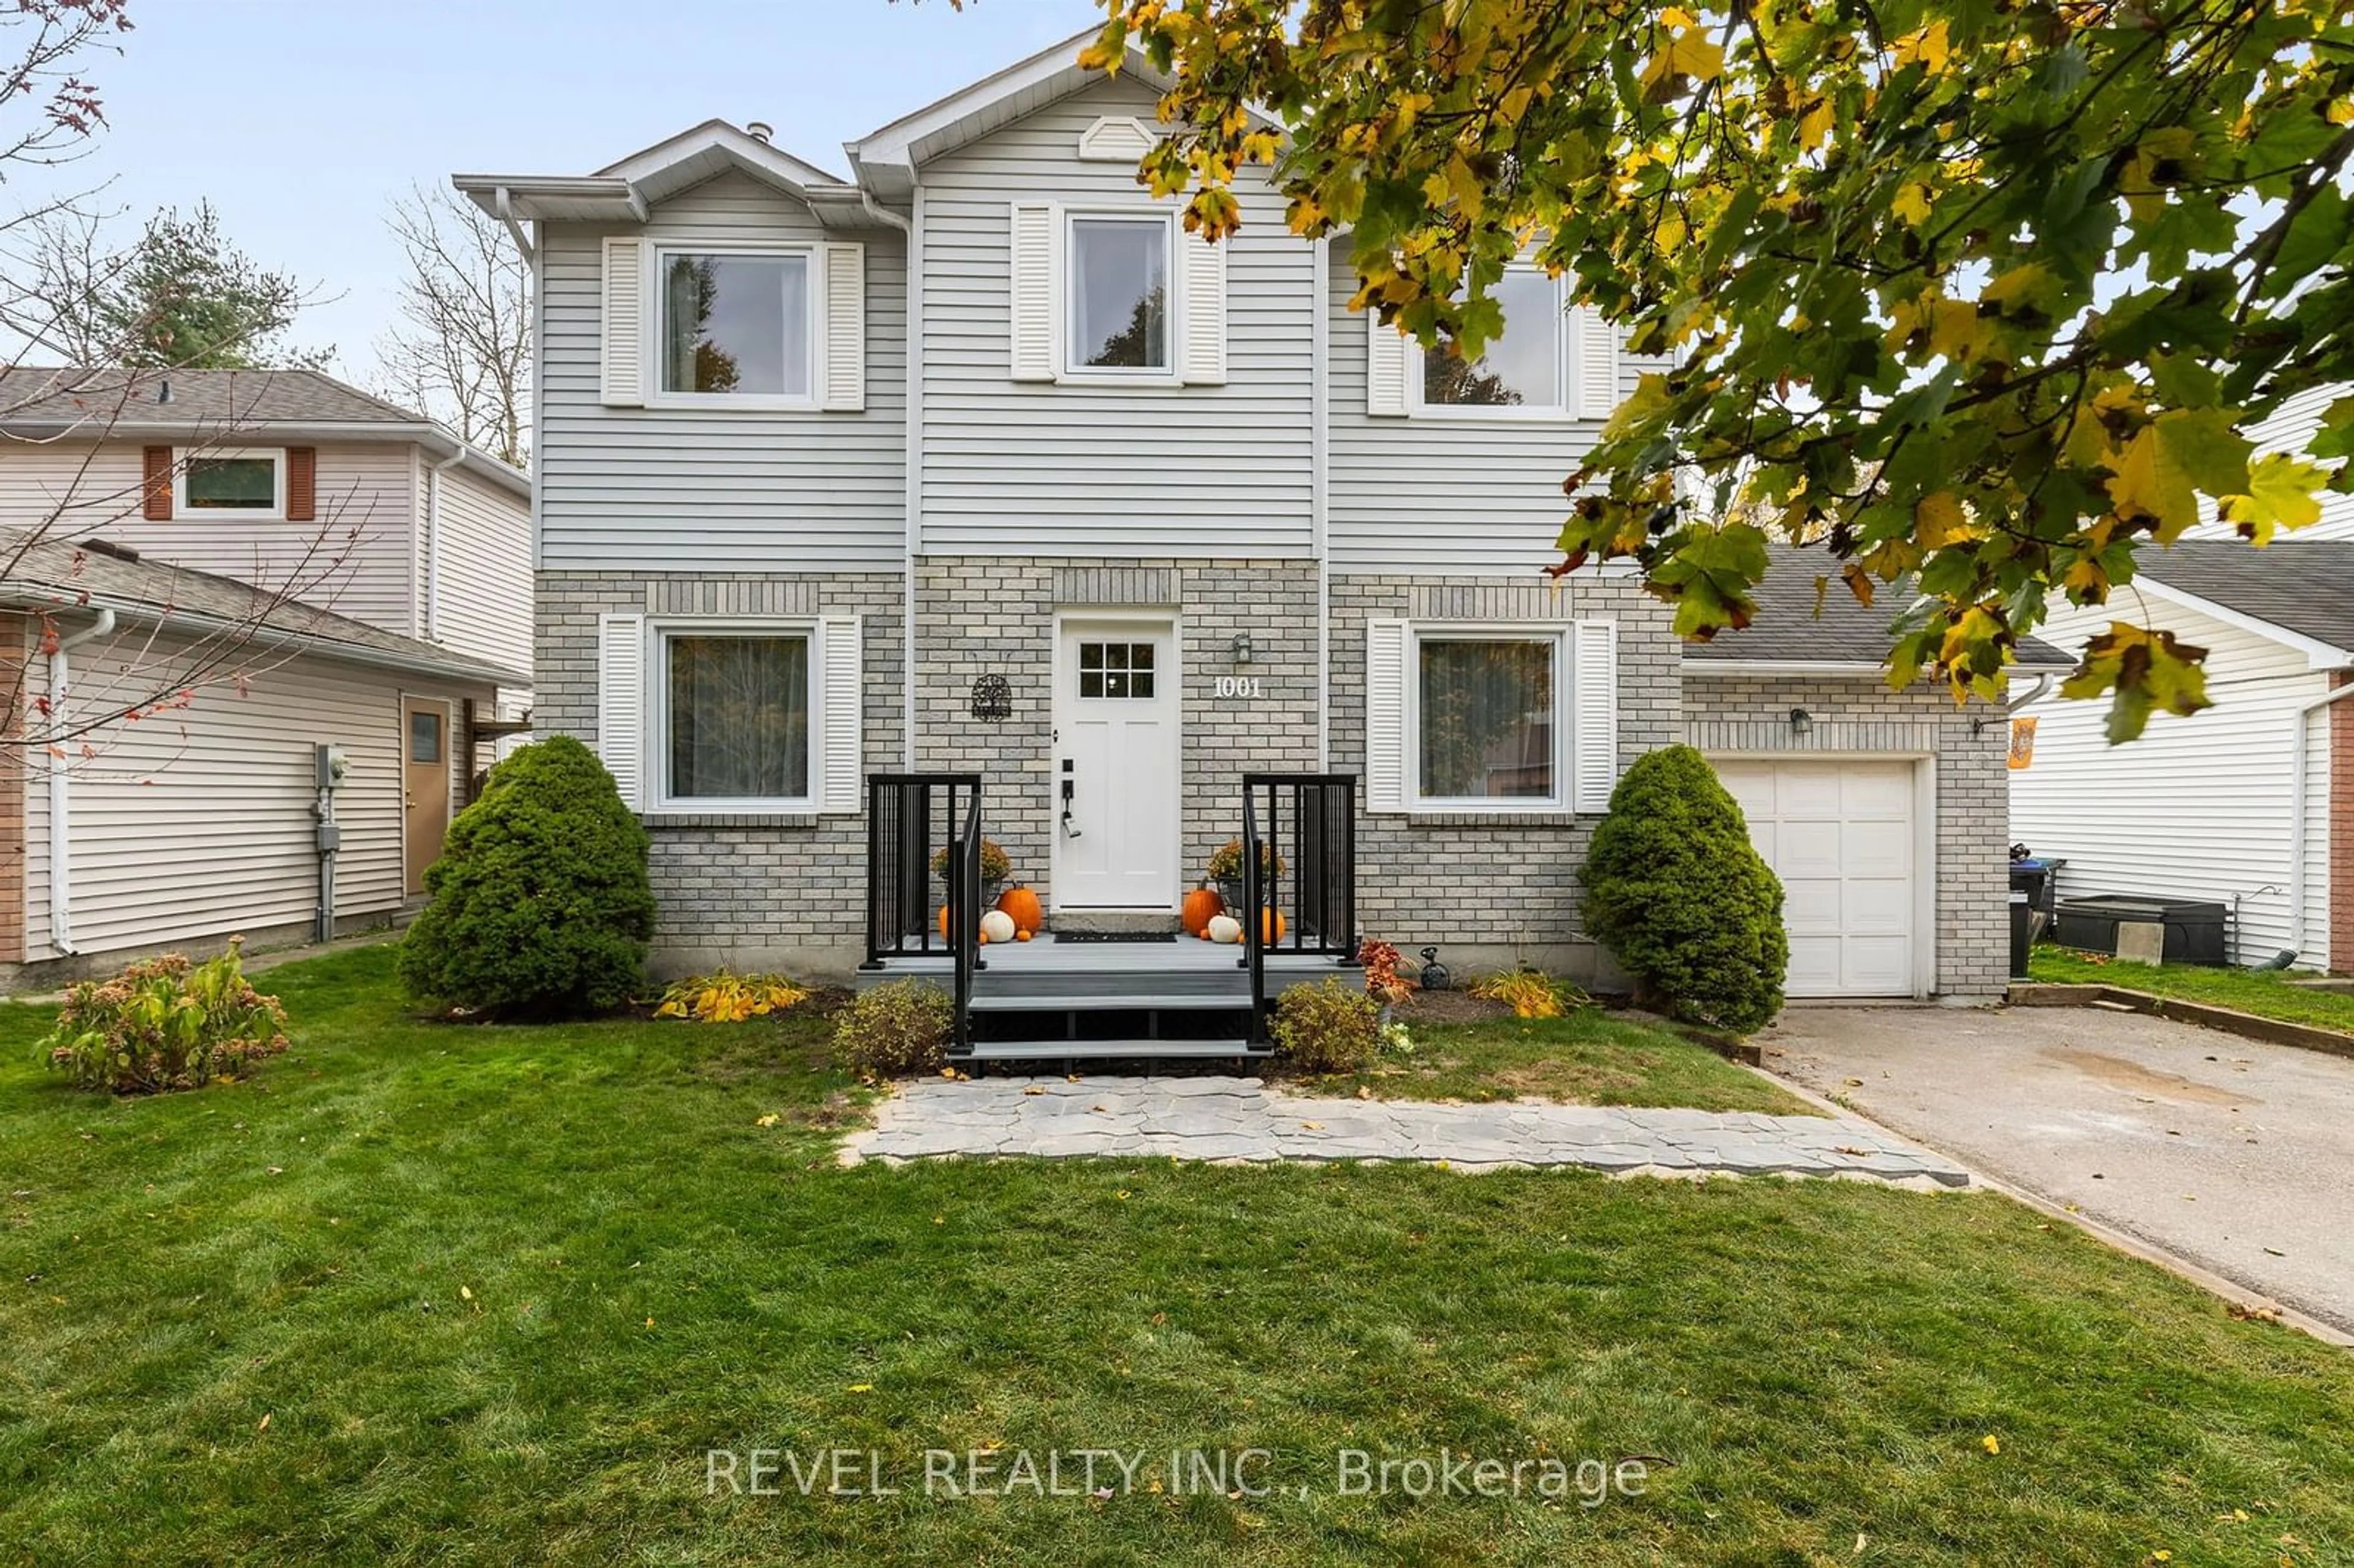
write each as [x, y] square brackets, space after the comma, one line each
[654, 314]
[183, 512]
[1564, 370]
[1418, 632]
[657, 705]
[1074, 374]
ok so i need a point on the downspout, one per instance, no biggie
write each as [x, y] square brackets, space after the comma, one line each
[911, 442]
[432, 594]
[61, 793]
[1319, 443]
[2034, 695]
[2296, 813]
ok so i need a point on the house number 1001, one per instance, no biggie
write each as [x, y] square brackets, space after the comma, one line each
[1241, 686]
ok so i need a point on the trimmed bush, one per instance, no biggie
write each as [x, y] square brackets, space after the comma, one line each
[1676, 892]
[165, 1024]
[541, 906]
[894, 1030]
[1326, 1028]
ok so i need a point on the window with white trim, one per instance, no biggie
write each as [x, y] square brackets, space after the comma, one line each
[735, 325]
[1119, 296]
[734, 727]
[248, 482]
[1486, 719]
[1525, 369]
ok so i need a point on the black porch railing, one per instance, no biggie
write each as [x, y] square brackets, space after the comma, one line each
[1300, 873]
[912, 818]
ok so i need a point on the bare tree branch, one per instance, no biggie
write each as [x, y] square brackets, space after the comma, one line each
[462, 352]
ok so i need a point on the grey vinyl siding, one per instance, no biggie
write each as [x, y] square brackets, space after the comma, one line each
[1441, 494]
[482, 581]
[357, 559]
[1039, 470]
[658, 489]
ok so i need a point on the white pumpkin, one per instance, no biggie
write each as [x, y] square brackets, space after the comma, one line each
[997, 926]
[1224, 928]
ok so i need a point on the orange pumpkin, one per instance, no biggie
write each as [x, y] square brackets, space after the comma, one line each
[1022, 936]
[944, 921]
[1022, 905]
[1201, 905]
[1270, 925]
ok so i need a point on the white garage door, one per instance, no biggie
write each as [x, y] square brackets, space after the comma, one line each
[1840, 835]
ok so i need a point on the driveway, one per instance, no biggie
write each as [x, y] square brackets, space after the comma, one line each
[2234, 1155]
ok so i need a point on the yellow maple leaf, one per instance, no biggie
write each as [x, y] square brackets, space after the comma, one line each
[769, 1121]
[1815, 125]
[1931, 46]
[1991, 1442]
[1938, 521]
[1912, 203]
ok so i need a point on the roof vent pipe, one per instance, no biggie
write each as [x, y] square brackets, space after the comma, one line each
[759, 131]
[164, 391]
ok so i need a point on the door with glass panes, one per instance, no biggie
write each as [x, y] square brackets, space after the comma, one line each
[1116, 764]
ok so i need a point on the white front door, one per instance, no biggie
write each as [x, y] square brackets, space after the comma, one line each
[1839, 832]
[1115, 779]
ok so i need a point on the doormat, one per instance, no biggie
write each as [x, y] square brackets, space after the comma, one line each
[1115, 935]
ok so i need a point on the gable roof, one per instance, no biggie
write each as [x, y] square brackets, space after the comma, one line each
[886, 160]
[623, 191]
[204, 405]
[2299, 591]
[55, 574]
[1846, 635]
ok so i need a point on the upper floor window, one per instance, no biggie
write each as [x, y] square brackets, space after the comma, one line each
[1119, 271]
[1526, 367]
[237, 482]
[736, 325]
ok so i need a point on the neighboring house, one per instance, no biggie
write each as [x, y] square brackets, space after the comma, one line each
[2249, 803]
[284, 562]
[820, 463]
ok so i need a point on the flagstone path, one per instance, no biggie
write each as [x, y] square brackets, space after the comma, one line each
[1231, 1118]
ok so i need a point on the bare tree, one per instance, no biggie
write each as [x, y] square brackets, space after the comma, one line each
[462, 350]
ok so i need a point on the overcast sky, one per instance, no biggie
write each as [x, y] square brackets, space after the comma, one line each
[302, 120]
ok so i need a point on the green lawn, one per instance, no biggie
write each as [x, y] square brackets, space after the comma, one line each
[2267, 995]
[1590, 1057]
[425, 1293]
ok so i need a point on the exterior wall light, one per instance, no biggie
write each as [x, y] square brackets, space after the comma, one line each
[1801, 721]
[1242, 648]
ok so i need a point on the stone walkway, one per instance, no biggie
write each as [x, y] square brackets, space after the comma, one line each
[1229, 1118]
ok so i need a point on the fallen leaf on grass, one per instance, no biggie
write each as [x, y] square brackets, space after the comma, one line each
[1991, 1442]
[2244, 1313]
[1363, 1092]
[769, 1121]
[265, 1425]
[464, 1293]
[861, 1388]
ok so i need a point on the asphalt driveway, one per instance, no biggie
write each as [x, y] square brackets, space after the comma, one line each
[2235, 1155]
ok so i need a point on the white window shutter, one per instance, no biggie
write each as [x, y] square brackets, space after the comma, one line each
[1202, 268]
[1598, 363]
[842, 782]
[1387, 355]
[622, 703]
[625, 323]
[842, 361]
[1385, 738]
[1037, 240]
[1594, 727]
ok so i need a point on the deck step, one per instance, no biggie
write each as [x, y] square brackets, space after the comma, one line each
[1161, 1001]
[1071, 1050]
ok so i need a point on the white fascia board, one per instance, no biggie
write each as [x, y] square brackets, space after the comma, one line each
[1706, 666]
[271, 432]
[2318, 655]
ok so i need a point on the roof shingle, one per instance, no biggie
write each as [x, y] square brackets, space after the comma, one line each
[1788, 631]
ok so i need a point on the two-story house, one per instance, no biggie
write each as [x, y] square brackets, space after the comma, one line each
[208, 576]
[975, 462]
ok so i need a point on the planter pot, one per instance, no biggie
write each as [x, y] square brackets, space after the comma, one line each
[1230, 894]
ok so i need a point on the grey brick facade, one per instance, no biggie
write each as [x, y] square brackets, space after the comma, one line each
[1487, 889]
[745, 891]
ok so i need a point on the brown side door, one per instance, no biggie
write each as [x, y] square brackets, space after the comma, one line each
[425, 777]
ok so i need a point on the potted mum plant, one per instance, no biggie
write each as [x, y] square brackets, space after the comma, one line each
[994, 869]
[1225, 869]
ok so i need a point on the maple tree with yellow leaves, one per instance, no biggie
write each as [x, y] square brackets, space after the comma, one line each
[1979, 297]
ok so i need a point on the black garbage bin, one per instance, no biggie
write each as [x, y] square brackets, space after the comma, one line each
[2022, 920]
